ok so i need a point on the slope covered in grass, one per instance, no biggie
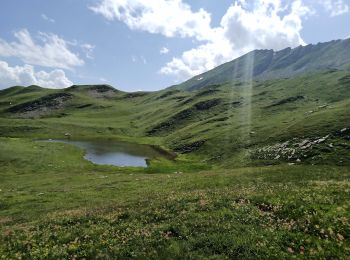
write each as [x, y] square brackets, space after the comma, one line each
[262, 170]
[224, 124]
[56, 205]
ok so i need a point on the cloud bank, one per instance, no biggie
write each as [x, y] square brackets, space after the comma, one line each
[26, 75]
[51, 51]
[335, 7]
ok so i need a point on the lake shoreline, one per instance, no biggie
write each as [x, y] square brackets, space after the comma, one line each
[117, 153]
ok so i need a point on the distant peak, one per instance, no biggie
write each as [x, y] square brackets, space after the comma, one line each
[264, 64]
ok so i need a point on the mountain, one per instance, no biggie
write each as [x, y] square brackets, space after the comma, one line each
[268, 64]
[296, 95]
[257, 170]
[217, 123]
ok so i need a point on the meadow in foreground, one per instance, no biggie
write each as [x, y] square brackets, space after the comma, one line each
[54, 204]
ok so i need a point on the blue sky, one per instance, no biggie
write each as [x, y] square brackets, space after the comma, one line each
[149, 45]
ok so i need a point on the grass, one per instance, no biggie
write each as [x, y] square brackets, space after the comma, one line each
[217, 201]
[54, 204]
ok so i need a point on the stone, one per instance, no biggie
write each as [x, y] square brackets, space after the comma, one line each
[303, 143]
[321, 140]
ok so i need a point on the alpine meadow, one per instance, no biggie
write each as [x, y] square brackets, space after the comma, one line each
[249, 159]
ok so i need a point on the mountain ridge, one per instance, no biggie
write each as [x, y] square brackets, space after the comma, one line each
[268, 64]
[259, 64]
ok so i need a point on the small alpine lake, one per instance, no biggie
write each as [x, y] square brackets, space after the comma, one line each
[118, 153]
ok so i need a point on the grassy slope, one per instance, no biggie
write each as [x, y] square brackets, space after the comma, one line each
[242, 121]
[55, 204]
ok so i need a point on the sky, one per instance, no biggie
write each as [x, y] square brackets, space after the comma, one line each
[139, 45]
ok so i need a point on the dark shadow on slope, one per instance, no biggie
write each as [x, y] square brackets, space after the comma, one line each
[180, 118]
[286, 101]
[51, 101]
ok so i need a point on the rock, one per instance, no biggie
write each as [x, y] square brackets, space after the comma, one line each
[298, 160]
[303, 143]
[285, 144]
[308, 145]
[320, 140]
[340, 237]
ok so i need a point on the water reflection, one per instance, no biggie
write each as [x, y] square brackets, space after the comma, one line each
[118, 153]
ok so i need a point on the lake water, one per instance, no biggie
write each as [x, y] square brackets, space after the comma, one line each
[117, 153]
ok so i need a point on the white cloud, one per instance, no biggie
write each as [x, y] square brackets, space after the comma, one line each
[335, 7]
[46, 18]
[52, 52]
[88, 49]
[264, 27]
[200, 59]
[246, 25]
[26, 75]
[169, 18]
[164, 50]
[243, 28]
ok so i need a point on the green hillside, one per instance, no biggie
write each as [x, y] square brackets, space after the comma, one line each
[261, 171]
[225, 124]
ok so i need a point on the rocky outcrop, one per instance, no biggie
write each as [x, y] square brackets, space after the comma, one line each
[191, 147]
[299, 150]
[43, 105]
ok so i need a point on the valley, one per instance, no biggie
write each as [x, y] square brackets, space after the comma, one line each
[256, 165]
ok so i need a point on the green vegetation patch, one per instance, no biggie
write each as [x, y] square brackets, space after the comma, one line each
[64, 207]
